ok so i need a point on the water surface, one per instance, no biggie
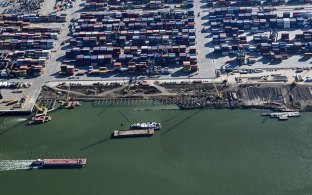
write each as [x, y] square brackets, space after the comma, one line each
[196, 152]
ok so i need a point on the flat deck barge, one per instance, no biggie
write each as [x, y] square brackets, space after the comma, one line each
[59, 163]
[133, 133]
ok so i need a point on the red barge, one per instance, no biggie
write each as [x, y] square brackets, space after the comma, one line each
[59, 163]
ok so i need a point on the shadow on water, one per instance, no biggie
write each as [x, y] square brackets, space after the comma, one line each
[95, 143]
[174, 116]
[103, 111]
[264, 120]
[181, 122]
[125, 117]
[12, 128]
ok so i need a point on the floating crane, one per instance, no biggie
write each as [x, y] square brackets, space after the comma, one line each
[69, 103]
[40, 108]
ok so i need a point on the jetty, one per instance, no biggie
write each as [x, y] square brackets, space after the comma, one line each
[277, 114]
[133, 133]
[282, 115]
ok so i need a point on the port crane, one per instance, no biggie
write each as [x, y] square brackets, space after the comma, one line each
[67, 95]
[66, 101]
[218, 93]
[40, 108]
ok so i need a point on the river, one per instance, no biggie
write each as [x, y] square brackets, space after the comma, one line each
[196, 152]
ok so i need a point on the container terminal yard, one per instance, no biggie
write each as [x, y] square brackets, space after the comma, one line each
[194, 53]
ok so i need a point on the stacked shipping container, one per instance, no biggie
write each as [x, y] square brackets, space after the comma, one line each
[30, 44]
[228, 25]
[137, 41]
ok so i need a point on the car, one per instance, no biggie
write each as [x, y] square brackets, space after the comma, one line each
[17, 91]
[298, 70]
[73, 77]
[98, 83]
[197, 81]
[299, 8]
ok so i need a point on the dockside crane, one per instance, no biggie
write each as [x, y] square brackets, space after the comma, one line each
[67, 95]
[218, 93]
[40, 108]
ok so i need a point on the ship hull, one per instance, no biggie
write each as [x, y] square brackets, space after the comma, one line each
[59, 163]
[130, 136]
[60, 167]
[148, 125]
[132, 133]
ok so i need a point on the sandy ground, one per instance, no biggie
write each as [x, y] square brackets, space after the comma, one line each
[47, 7]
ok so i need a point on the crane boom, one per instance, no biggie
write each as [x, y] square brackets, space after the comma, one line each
[68, 90]
[218, 93]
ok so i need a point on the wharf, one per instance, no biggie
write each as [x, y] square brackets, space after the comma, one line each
[133, 133]
[282, 114]
[283, 117]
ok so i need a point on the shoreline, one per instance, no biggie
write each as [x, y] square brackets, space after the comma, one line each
[277, 97]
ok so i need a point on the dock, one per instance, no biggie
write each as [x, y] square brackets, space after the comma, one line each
[282, 115]
[133, 133]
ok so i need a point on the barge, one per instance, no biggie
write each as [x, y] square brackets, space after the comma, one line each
[146, 125]
[59, 163]
[133, 133]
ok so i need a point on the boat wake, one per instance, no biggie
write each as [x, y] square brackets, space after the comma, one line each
[11, 165]
[21, 119]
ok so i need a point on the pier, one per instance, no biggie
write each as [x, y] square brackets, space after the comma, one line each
[282, 115]
[277, 114]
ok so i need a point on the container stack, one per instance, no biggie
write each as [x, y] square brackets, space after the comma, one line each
[29, 46]
[229, 26]
[35, 18]
[136, 41]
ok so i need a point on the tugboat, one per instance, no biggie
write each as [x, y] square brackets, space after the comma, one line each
[39, 120]
[146, 125]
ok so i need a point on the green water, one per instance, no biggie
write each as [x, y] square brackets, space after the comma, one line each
[196, 152]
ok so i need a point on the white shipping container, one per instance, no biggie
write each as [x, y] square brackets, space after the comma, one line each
[286, 23]
[54, 36]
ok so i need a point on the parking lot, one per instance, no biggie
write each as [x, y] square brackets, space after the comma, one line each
[14, 96]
